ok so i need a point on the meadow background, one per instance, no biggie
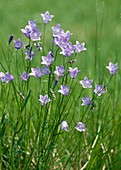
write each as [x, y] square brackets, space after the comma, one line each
[98, 24]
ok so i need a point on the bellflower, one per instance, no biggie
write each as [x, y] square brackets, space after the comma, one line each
[62, 39]
[80, 127]
[99, 90]
[86, 101]
[18, 44]
[44, 99]
[36, 72]
[46, 17]
[45, 70]
[26, 31]
[67, 50]
[112, 68]
[64, 125]
[35, 35]
[29, 54]
[86, 83]
[33, 25]
[48, 59]
[64, 90]
[24, 76]
[5, 78]
[56, 30]
[73, 72]
[31, 31]
[59, 71]
[79, 47]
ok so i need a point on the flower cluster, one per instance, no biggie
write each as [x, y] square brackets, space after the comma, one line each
[31, 31]
[62, 40]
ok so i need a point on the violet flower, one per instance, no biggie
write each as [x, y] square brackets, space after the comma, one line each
[46, 17]
[64, 90]
[6, 77]
[80, 127]
[45, 70]
[79, 47]
[86, 83]
[62, 39]
[36, 72]
[56, 30]
[99, 90]
[33, 25]
[31, 31]
[18, 44]
[67, 50]
[86, 101]
[48, 59]
[64, 125]
[59, 71]
[24, 76]
[44, 99]
[73, 72]
[26, 31]
[112, 68]
[35, 35]
[29, 54]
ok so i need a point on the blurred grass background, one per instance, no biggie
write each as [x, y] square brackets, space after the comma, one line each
[88, 20]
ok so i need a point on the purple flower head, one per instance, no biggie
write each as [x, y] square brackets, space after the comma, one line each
[64, 125]
[10, 39]
[99, 90]
[59, 71]
[44, 99]
[18, 44]
[29, 54]
[27, 31]
[79, 47]
[46, 17]
[64, 90]
[73, 72]
[35, 35]
[67, 50]
[36, 72]
[112, 68]
[33, 25]
[86, 101]
[45, 70]
[86, 83]
[31, 31]
[80, 127]
[5, 78]
[56, 30]
[24, 76]
[47, 60]
[62, 39]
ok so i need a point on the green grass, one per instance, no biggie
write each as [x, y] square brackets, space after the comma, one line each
[30, 134]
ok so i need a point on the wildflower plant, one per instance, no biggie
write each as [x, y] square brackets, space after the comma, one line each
[46, 94]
